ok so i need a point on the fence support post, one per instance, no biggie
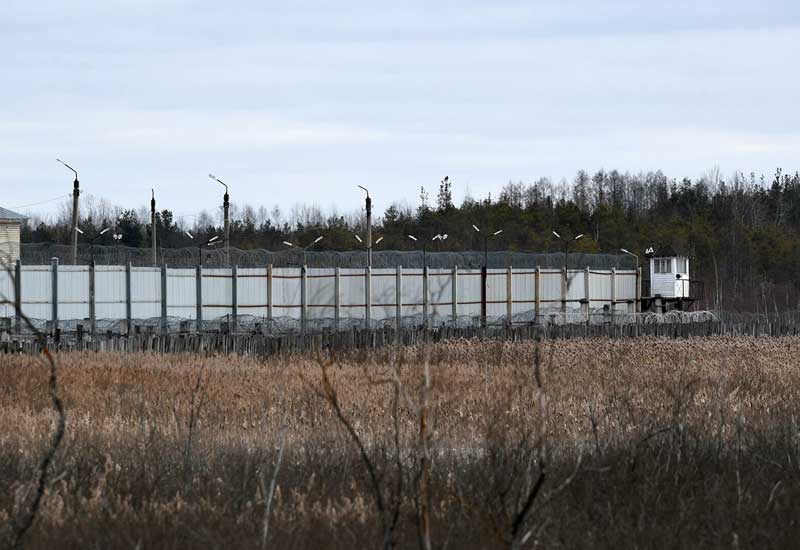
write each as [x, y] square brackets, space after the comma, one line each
[92, 299]
[128, 298]
[587, 309]
[398, 291]
[637, 307]
[455, 295]
[269, 292]
[537, 307]
[509, 296]
[613, 293]
[235, 298]
[303, 299]
[564, 292]
[18, 297]
[164, 298]
[54, 279]
[425, 297]
[367, 297]
[198, 288]
[337, 300]
[484, 283]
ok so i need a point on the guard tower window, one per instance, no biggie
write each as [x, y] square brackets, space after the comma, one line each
[663, 265]
[681, 266]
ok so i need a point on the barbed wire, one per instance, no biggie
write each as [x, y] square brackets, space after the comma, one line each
[43, 253]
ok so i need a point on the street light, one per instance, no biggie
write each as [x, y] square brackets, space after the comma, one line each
[93, 239]
[437, 237]
[486, 237]
[76, 192]
[628, 252]
[484, 270]
[566, 242]
[210, 242]
[368, 204]
[304, 249]
[226, 203]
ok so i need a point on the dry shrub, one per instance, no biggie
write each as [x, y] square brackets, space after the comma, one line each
[683, 443]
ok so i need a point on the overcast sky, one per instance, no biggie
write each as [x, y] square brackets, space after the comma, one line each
[295, 102]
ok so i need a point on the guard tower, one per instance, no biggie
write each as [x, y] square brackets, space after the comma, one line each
[670, 285]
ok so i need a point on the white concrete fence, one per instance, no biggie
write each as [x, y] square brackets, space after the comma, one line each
[434, 296]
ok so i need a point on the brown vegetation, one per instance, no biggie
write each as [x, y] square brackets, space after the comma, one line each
[648, 443]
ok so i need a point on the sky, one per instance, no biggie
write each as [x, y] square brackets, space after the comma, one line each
[301, 102]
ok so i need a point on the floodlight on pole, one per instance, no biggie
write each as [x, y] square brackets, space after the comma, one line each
[629, 253]
[485, 268]
[76, 193]
[226, 205]
[368, 205]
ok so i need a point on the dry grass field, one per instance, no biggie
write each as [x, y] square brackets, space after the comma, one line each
[647, 443]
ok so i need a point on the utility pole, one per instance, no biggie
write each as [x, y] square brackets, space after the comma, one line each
[485, 270]
[76, 192]
[226, 205]
[153, 226]
[369, 227]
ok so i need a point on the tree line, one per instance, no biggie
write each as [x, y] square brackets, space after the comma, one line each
[743, 234]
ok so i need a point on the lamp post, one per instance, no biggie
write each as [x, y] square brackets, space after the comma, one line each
[76, 192]
[369, 249]
[437, 237]
[368, 204]
[565, 287]
[629, 253]
[226, 204]
[94, 238]
[153, 226]
[566, 243]
[486, 237]
[210, 242]
[304, 249]
[484, 270]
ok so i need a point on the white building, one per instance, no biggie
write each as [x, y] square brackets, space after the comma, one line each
[669, 273]
[10, 227]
